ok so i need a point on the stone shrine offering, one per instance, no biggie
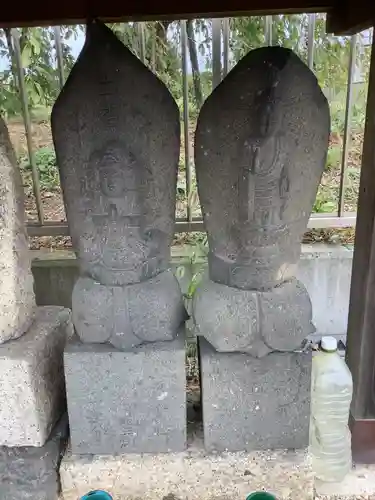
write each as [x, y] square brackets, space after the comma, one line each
[116, 132]
[260, 150]
[32, 342]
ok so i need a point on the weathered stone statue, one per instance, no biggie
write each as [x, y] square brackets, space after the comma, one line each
[117, 137]
[17, 302]
[260, 150]
[32, 341]
[116, 131]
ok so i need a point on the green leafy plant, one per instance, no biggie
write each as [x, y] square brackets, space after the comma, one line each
[324, 203]
[45, 160]
[161, 52]
[38, 61]
[193, 285]
[334, 157]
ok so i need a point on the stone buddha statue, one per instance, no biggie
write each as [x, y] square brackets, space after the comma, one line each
[260, 151]
[116, 132]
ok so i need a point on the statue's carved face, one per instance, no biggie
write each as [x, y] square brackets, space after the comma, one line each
[115, 182]
[116, 171]
[112, 181]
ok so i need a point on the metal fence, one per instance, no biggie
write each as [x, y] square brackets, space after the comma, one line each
[220, 67]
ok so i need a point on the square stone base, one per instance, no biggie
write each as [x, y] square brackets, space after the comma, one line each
[32, 473]
[32, 391]
[254, 404]
[126, 401]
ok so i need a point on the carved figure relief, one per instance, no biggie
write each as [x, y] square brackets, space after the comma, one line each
[116, 132]
[260, 150]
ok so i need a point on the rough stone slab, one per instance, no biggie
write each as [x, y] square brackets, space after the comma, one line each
[126, 401]
[189, 475]
[17, 301]
[29, 473]
[32, 393]
[254, 404]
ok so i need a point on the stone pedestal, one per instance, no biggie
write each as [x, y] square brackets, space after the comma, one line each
[32, 394]
[254, 404]
[32, 473]
[126, 401]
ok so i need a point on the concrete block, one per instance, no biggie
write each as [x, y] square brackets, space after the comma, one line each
[254, 404]
[29, 473]
[126, 401]
[32, 391]
[190, 475]
[326, 272]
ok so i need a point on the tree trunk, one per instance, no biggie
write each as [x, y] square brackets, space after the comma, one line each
[194, 64]
[159, 43]
[161, 30]
[8, 36]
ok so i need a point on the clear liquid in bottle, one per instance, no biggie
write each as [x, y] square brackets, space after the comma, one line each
[331, 395]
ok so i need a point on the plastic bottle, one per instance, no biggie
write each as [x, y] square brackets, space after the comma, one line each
[331, 395]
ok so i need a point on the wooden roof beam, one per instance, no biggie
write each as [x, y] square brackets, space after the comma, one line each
[78, 11]
[350, 17]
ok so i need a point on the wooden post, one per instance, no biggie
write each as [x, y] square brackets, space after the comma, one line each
[361, 322]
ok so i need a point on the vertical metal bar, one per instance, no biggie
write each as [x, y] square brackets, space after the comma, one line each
[153, 48]
[348, 113]
[310, 41]
[27, 123]
[185, 95]
[59, 55]
[142, 45]
[226, 47]
[216, 52]
[268, 38]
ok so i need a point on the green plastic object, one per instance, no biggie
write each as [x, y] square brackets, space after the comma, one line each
[97, 495]
[261, 495]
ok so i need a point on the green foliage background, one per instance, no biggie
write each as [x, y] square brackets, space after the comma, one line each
[162, 54]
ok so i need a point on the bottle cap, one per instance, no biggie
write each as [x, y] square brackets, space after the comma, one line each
[329, 344]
